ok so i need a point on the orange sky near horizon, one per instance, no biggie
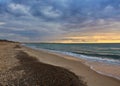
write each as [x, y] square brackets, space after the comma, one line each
[100, 38]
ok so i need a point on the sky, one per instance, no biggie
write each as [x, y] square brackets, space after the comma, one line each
[60, 21]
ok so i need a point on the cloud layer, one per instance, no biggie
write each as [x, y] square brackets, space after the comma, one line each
[58, 20]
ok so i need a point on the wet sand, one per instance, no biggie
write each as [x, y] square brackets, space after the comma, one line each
[111, 70]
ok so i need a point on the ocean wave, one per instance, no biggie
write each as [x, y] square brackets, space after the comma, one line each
[112, 59]
[90, 58]
[100, 55]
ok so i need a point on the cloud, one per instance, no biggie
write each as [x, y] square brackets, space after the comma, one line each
[45, 20]
[13, 36]
[19, 9]
[2, 23]
[65, 9]
[50, 12]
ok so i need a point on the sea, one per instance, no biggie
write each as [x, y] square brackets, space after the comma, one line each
[109, 53]
[103, 53]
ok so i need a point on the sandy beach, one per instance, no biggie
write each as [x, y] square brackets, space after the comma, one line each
[23, 66]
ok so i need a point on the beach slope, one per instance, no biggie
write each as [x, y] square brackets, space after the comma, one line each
[17, 68]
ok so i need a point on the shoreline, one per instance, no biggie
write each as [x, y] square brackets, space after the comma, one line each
[105, 72]
[85, 62]
[18, 68]
[72, 60]
[24, 66]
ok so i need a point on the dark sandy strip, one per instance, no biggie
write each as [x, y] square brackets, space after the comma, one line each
[31, 72]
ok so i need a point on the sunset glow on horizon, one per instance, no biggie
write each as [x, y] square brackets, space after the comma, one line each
[94, 39]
